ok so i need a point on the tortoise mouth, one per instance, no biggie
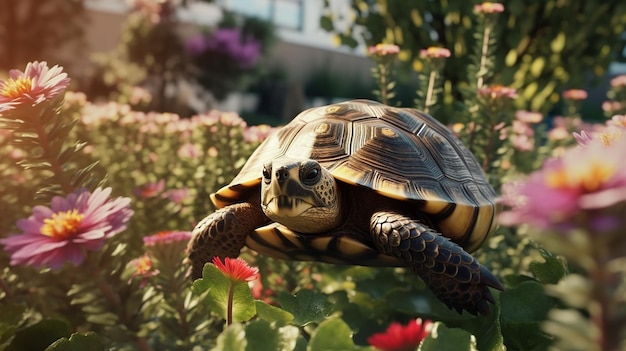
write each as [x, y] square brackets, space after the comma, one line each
[287, 206]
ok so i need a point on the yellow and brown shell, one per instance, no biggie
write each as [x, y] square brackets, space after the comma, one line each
[401, 153]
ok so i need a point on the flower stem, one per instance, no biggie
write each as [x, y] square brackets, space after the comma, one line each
[7, 290]
[55, 165]
[229, 311]
[482, 67]
[383, 83]
[430, 90]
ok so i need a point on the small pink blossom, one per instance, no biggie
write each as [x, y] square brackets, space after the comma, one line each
[575, 94]
[381, 50]
[435, 52]
[618, 81]
[611, 106]
[528, 116]
[497, 92]
[150, 190]
[36, 84]
[65, 231]
[142, 268]
[167, 237]
[489, 7]
[177, 196]
[256, 134]
[189, 150]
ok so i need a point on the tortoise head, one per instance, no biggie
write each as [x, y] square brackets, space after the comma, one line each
[301, 195]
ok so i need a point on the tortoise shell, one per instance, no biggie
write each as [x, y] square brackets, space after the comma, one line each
[400, 153]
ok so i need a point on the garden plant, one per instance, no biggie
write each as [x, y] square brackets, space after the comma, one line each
[98, 201]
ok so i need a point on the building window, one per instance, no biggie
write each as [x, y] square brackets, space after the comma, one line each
[283, 13]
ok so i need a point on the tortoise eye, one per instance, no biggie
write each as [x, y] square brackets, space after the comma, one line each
[267, 174]
[310, 175]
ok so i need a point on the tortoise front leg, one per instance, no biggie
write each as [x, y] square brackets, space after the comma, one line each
[456, 278]
[223, 233]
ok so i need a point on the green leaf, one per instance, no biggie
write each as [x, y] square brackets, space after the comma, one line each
[272, 314]
[218, 287]
[425, 304]
[261, 336]
[78, 342]
[523, 310]
[444, 338]
[306, 306]
[40, 335]
[233, 338]
[551, 270]
[326, 22]
[332, 334]
[9, 318]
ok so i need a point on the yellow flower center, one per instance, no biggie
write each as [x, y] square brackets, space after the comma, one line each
[14, 88]
[588, 178]
[62, 225]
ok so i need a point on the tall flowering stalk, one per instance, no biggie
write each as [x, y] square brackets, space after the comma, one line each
[430, 77]
[487, 15]
[384, 56]
[575, 206]
[30, 104]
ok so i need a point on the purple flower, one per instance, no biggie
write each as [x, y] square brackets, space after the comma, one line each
[245, 51]
[80, 222]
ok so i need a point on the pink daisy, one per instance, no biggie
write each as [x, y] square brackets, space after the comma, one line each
[80, 222]
[36, 84]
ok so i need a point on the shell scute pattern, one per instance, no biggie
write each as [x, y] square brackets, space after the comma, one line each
[400, 153]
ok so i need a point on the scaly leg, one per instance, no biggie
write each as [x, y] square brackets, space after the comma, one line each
[223, 233]
[457, 278]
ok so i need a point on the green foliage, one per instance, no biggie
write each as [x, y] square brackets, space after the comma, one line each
[306, 306]
[543, 46]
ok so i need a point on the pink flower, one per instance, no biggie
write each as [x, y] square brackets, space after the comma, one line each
[80, 222]
[256, 134]
[401, 338]
[617, 121]
[489, 7]
[497, 92]
[142, 268]
[177, 196]
[619, 81]
[574, 94]
[167, 237]
[528, 116]
[36, 84]
[577, 182]
[381, 50]
[435, 52]
[151, 189]
[189, 150]
[236, 269]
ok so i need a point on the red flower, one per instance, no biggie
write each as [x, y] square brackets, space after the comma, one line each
[236, 269]
[401, 338]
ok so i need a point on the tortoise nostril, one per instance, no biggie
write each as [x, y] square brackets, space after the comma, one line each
[281, 175]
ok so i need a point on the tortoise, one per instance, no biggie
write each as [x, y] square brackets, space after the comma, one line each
[361, 183]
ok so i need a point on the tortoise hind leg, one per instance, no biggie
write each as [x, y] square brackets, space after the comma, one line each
[222, 233]
[456, 278]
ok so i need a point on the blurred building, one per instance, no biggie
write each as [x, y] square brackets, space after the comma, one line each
[309, 67]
